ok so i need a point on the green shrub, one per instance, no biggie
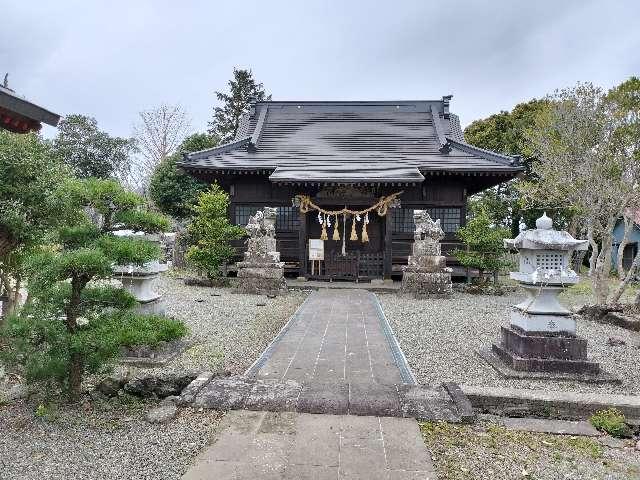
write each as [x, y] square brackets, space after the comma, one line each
[611, 421]
[484, 244]
[74, 323]
[210, 232]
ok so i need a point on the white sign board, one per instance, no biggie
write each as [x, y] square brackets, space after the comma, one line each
[316, 249]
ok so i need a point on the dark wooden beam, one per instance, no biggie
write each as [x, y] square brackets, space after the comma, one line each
[388, 245]
[302, 245]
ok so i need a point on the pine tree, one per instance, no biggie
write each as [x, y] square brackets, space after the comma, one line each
[242, 89]
[76, 320]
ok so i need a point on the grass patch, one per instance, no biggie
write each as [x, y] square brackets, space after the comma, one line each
[611, 421]
[465, 452]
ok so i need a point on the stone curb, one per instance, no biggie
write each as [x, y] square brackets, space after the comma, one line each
[548, 404]
[447, 403]
[465, 409]
[189, 393]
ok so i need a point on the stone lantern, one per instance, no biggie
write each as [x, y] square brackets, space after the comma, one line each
[140, 281]
[541, 336]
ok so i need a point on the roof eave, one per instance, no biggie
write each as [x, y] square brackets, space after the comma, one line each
[12, 102]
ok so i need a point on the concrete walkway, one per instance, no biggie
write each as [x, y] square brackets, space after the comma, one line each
[270, 446]
[337, 354]
[337, 335]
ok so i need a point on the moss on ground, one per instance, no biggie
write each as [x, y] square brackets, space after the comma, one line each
[486, 450]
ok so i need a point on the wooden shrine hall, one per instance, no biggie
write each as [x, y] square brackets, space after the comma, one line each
[346, 178]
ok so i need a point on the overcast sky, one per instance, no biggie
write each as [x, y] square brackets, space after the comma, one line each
[112, 59]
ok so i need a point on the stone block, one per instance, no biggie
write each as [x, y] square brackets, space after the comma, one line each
[261, 286]
[551, 323]
[374, 399]
[261, 272]
[528, 345]
[548, 365]
[327, 398]
[419, 283]
[430, 263]
[224, 393]
[272, 395]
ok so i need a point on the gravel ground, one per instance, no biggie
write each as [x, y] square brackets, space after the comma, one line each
[111, 439]
[229, 330]
[104, 443]
[439, 337]
[487, 451]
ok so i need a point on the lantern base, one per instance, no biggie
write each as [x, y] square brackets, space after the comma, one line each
[540, 352]
[505, 371]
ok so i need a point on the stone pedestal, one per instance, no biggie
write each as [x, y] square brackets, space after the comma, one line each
[261, 272]
[426, 274]
[141, 281]
[261, 278]
[540, 352]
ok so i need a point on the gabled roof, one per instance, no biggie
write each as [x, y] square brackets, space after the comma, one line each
[350, 142]
[19, 115]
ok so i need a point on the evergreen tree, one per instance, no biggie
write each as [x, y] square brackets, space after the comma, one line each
[172, 190]
[485, 250]
[75, 322]
[210, 232]
[226, 119]
[505, 133]
[91, 152]
[29, 209]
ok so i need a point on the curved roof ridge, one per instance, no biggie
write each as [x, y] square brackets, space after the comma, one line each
[225, 147]
[488, 154]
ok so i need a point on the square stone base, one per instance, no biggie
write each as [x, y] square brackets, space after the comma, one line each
[545, 346]
[546, 365]
[420, 283]
[506, 371]
[261, 286]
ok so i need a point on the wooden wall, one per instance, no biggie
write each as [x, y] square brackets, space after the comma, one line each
[435, 192]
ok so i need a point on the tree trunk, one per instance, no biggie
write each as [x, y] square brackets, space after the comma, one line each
[76, 360]
[595, 251]
[600, 277]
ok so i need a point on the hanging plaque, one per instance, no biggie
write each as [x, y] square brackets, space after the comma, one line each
[316, 249]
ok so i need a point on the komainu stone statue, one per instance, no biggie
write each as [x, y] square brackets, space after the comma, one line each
[261, 271]
[426, 275]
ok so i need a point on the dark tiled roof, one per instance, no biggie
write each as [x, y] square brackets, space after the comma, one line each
[12, 104]
[325, 140]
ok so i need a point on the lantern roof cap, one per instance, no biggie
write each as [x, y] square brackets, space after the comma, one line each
[544, 237]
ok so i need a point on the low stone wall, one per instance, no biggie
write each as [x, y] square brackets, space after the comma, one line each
[548, 404]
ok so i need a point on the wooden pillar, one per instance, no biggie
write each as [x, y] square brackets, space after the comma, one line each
[388, 243]
[302, 245]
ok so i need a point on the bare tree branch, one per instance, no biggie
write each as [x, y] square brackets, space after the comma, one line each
[158, 133]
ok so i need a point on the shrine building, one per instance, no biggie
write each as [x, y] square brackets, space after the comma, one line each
[374, 162]
[19, 115]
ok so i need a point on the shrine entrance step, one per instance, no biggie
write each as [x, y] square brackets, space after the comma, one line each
[377, 286]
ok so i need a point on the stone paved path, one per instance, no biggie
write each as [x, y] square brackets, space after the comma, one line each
[270, 446]
[336, 336]
[337, 354]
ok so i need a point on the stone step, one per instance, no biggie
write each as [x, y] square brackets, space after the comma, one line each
[443, 403]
